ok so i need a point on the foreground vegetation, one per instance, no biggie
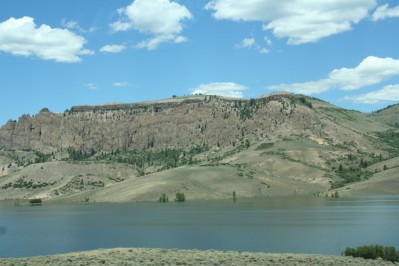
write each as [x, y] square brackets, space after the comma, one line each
[140, 256]
[373, 252]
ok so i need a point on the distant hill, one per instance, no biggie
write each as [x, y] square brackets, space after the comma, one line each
[388, 115]
[206, 146]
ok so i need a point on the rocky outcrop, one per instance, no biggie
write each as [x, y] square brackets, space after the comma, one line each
[178, 122]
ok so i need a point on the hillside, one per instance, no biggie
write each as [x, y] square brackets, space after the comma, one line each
[388, 115]
[204, 146]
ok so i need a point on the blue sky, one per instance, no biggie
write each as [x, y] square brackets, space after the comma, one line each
[58, 54]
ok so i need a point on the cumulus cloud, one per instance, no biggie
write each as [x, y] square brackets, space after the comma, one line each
[22, 37]
[121, 84]
[383, 12]
[227, 89]
[301, 21]
[112, 48]
[389, 93]
[372, 70]
[161, 18]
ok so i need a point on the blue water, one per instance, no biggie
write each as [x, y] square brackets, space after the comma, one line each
[294, 225]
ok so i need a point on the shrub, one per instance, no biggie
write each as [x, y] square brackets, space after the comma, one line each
[373, 252]
[35, 201]
[180, 197]
[163, 198]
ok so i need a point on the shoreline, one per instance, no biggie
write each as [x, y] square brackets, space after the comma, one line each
[153, 256]
[62, 201]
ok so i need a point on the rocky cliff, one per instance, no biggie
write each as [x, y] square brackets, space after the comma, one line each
[180, 122]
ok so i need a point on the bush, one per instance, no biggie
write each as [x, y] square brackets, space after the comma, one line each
[180, 197]
[163, 198]
[35, 201]
[373, 252]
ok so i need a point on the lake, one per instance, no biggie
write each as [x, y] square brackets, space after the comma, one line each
[278, 225]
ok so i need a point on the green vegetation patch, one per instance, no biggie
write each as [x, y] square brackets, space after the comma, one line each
[163, 198]
[35, 201]
[373, 252]
[264, 146]
[165, 159]
[27, 184]
[180, 197]
[391, 138]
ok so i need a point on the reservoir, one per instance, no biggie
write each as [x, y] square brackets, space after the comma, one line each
[276, 225]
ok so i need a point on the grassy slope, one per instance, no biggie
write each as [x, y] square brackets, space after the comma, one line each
[195, 182]
[388, 115]
[296, 166]
[64, 177]
[250, 173]
[384, 182]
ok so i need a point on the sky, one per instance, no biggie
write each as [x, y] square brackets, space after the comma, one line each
[58, 54]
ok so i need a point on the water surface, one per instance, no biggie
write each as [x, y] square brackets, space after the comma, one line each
[294, 225]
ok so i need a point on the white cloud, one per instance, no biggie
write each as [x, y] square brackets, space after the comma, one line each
[87, 52]
[384, 11]
[268, 41]
[72, 25]
[311, 87]
[372, 70]
[301, 21]
[161, 18]
[389, 93]
[90, 86]
[227, 89]
[251, 43]
[153, 43]
[22, 37]
[264, 51]
[247, 43]
[112, 48]
[121, 84]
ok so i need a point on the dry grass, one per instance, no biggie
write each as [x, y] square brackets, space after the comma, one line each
[139, 256]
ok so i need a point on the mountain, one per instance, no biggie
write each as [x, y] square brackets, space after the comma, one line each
[206, 146]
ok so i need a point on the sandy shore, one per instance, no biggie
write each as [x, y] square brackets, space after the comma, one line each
[145, 256]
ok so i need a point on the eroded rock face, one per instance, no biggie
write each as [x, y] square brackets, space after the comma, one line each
[180, 122]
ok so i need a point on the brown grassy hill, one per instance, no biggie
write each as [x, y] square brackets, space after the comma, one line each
[204, 146]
